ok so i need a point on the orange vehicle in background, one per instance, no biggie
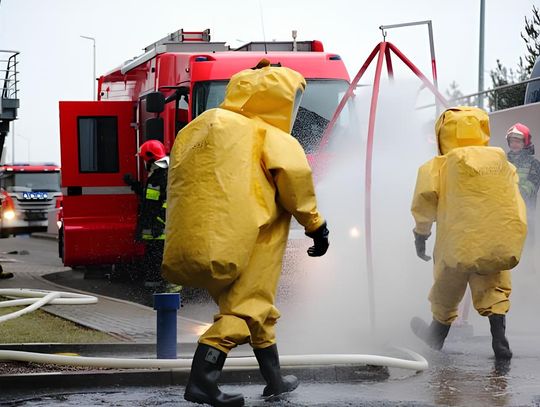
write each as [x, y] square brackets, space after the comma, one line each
[152, 97]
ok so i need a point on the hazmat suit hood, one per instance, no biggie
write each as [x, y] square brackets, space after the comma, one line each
[462, 126]
[270, 93]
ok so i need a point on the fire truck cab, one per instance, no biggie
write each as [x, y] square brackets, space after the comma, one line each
[152, 97]
[28, 192]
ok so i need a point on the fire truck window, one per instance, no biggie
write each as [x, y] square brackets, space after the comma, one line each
[181, 114]
[30, 181]
[317, 107]
[98, 144]
[207, 95]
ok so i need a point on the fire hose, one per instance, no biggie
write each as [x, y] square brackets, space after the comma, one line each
[37, 298]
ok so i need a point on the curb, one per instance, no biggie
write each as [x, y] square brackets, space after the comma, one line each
[93, 379]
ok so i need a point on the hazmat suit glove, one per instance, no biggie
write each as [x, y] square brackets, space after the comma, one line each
[320, 241]
[420, 244]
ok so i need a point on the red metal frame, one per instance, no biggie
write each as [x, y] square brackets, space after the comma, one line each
[383, 49]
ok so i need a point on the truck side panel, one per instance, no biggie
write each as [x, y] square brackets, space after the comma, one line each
[100, 229]
[98, 145]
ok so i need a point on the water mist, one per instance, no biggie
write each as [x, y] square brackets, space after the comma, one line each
[330, 312]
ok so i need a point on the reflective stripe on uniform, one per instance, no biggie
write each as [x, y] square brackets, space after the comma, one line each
[152, 193]
[526, 186]
[146, 236]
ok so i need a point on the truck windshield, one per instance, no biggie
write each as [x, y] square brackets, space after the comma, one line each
[30, 181]
[319, 103]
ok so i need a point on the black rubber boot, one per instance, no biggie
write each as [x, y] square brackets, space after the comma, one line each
[434, 334]
[202, 385]
[499, 342]
[276, 384]
[5, 275]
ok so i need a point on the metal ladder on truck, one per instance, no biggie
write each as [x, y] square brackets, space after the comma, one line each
[9, 102]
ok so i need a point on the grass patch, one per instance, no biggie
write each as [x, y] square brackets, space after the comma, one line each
[42, 327]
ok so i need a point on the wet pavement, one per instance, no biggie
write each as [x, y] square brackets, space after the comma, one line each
[306, 395]
[455, 378]
[464, 374]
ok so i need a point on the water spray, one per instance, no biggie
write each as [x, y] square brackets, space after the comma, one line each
[384, 50]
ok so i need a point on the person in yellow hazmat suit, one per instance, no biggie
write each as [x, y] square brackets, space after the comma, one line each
[472, 192]
[236, 177]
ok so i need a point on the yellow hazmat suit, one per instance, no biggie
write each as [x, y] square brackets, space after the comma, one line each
[236, 175]
[471, 191]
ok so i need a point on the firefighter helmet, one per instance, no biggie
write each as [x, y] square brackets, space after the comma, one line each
[519, 131]
[152, 150]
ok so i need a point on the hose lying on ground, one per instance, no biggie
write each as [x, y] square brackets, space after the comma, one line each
[38, 298]
[418, 364]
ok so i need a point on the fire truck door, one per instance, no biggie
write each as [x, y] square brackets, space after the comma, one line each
[98, 146]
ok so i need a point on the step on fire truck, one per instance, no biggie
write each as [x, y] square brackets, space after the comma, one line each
[152, 97]
[28, 193]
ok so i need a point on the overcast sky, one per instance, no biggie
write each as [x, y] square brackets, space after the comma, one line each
[56, 64]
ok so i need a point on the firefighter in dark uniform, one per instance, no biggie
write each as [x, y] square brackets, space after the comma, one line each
[521, 154]
[152, 209]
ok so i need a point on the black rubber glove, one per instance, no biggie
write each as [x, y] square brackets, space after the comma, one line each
[133, 183]
[320, 241]
[420, 244]
[128, 179]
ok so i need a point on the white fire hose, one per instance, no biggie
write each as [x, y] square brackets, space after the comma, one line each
[38, 298]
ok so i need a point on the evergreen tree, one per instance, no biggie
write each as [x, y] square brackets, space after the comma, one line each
[501, 75]
[453, 92]
[508, 97]
[532, 42]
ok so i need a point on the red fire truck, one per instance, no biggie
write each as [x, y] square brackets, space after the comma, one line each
[28, 192]
[154, 96]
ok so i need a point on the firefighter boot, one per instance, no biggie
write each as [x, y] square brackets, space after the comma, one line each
[499, 342]
[434, 334]
[276, 384]
[202, 385]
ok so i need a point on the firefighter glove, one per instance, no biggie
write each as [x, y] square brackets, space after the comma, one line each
[133, 183]
[128, 179]
[320, 241]
[420, 244]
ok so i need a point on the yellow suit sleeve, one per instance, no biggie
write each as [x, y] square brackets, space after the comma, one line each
[286, 161]
[426, 198]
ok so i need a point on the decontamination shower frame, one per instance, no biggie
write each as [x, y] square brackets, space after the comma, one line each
[383, 51]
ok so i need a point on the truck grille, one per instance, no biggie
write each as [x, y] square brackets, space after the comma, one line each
[33, 209]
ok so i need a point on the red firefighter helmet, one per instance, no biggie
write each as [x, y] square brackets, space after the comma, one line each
[519, 131]
[152, 150]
